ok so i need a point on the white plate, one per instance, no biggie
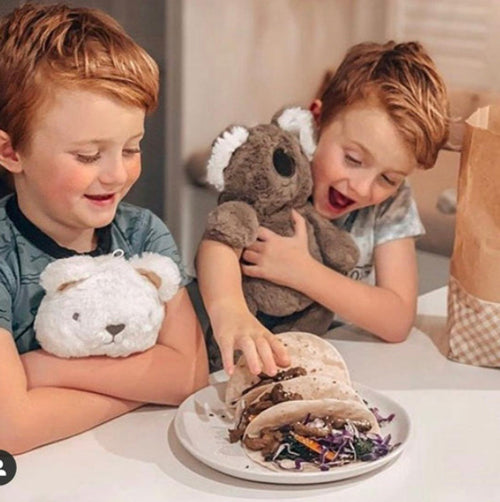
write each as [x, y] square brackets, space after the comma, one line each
[202, 424]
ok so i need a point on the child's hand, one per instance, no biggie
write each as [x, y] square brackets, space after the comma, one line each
[262, 350]
[278, 259]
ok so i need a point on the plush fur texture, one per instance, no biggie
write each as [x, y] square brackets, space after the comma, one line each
[264, 177]
[105, 305]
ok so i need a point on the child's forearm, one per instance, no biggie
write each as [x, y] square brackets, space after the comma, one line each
[378, 310]
[182, 332]
[219, 279]
[48, 414]
[165, 374]
[30, 418]
[234, 326]
[156, 376]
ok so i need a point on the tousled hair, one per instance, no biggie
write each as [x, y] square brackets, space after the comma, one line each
[403, 79]
[47, 46]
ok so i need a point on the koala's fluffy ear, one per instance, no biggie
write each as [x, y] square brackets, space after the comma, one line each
[65, 271]
[161, 271]
[299, 122]
[222, 150]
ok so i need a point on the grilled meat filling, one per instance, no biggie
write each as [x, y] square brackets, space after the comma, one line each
[279, 377]
[274, 396]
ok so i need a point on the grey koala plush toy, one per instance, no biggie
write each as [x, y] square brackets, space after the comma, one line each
[262, 173]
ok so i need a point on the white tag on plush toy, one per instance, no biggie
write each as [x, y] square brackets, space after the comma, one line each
[105, 305]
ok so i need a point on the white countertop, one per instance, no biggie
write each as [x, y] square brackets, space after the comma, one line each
[452, 455]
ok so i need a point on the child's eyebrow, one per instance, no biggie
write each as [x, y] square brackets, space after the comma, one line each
[139, 135]
[367, 152]
[99, 141]
[362, 147]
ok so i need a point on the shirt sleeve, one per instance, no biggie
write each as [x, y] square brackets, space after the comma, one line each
[5, 304]
[159, 240]
[397, 217]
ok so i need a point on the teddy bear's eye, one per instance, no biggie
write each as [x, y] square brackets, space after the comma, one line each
[283, 163]
[76, 316]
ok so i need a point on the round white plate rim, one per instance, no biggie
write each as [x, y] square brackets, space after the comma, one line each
[259, 473]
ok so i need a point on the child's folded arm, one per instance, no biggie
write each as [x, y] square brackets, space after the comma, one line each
[165, 374]
[28, 417]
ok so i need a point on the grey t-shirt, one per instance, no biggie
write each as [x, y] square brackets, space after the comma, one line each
[395, 218]
[25, 251]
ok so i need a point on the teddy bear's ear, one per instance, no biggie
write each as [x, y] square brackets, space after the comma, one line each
[161, 271]
[65, 272]
[299, 122]
[222, 150]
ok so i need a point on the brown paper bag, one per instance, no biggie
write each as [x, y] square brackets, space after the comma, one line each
[473, 325]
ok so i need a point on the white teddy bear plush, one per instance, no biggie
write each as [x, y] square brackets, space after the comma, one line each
[105, 305]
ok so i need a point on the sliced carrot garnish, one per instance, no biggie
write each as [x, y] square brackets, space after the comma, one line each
[313, 445]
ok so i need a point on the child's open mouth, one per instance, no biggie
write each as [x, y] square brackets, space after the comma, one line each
[101, 198]
[338, 200]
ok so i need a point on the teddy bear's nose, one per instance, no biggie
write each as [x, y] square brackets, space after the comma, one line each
[114, 329]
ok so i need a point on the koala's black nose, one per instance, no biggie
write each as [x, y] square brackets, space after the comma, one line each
[114, 329]
[283, 163]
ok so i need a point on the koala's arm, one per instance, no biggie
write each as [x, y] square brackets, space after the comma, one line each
[167, 373]
[234, 223]
[337, 247]
[31, 417]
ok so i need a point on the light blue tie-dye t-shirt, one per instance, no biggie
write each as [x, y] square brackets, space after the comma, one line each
[395, 218]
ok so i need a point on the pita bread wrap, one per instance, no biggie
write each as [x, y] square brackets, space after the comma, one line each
[291, 412]
[315, 386]
[310, 352]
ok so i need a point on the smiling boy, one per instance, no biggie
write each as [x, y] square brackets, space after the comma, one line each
[74, 92]
[383, 114]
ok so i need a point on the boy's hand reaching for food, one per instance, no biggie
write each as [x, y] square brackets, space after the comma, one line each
[262, 350]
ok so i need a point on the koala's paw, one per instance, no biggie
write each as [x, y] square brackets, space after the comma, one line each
[339, 251]
[234, 223]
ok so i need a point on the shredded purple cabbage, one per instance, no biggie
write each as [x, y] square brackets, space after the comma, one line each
[380, 419]
[349, 445]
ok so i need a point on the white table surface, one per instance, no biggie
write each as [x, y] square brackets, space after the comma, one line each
[452, 455]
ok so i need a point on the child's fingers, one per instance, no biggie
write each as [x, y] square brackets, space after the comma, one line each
[280, 352]
[299, 223]
[264, 233]
[266, 356]
[251, 256]
[251, 271]
[257, 246]
[247, 345]
[226, 348]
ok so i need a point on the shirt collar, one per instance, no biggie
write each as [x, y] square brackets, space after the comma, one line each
[45, 243]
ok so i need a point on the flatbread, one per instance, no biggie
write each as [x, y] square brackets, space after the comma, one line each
[294, 411]
[308, 351]
[316, 386]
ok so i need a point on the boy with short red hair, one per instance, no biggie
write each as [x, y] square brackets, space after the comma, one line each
[74, 92]
[383, 114]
